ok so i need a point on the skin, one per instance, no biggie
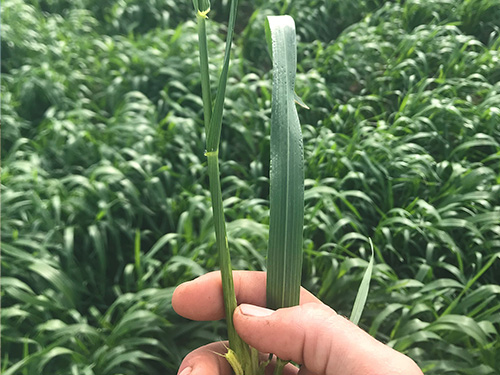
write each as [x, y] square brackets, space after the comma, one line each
[311, 334]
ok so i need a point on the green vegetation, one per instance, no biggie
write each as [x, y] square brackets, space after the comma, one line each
[104, 200]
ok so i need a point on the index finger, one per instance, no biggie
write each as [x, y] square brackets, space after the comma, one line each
[201, 299]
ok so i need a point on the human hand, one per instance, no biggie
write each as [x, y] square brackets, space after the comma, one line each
[311, 334]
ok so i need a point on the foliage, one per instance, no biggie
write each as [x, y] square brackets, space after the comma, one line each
[104, 208]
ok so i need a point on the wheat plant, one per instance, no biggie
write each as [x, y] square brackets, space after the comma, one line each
[103, 183]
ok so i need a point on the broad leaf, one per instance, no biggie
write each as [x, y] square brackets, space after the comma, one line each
[284, 265]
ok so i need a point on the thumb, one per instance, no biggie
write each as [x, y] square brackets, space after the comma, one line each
[321, 340]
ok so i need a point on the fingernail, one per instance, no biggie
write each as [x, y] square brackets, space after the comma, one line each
[186, 371]
[255, 311]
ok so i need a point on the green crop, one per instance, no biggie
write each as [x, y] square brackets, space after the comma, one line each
[105, 206]
[284, 257]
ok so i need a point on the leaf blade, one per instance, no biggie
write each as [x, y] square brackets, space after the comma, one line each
[287, 171]
[362, 295]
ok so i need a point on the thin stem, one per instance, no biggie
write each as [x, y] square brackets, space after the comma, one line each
[243, 352]
[205, 75]
[222, 245]
[280, 365]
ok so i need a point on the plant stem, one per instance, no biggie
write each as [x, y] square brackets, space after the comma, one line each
[222, 245]
[246, 356]
[215, 189]
[205, 75]
[280, 365]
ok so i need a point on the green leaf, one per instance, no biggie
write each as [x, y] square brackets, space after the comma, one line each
[57, 278]
[137, 255]
[461, 324]
[284, 265]
[213, 136]
[455, 302]
[299, 101]
[359, 303]
[205, 74]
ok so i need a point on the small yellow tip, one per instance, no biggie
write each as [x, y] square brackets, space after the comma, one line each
[204, 13]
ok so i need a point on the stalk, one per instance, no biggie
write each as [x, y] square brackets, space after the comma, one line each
[222, 245]
[242, 357]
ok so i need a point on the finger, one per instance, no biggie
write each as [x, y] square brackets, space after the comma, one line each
[289, 369]
[209, 359]
[201, 299]
[305, 371]
[323, 341]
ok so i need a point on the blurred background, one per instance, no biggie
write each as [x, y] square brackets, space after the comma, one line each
[105, 203]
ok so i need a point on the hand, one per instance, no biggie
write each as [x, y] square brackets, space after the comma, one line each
[311, 334]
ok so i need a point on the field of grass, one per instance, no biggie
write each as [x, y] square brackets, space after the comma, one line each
[105, 203]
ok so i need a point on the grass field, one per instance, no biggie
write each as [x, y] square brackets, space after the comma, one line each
[105, 203]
